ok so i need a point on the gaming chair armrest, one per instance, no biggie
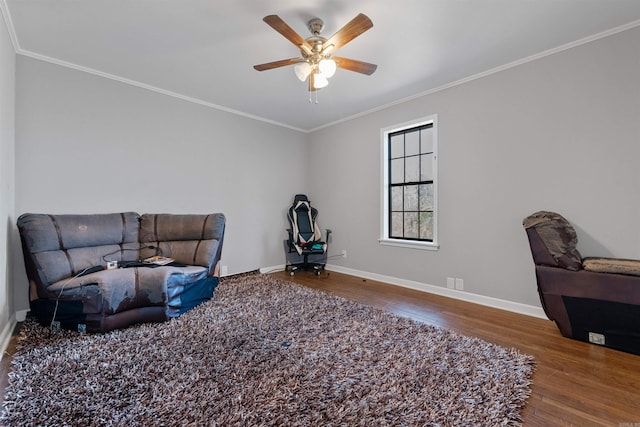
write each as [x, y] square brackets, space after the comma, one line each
[290, 243]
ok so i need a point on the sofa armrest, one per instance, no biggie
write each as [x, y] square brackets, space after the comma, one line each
[620, 288]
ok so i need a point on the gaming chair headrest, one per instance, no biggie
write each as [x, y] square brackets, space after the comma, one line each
[300, 198]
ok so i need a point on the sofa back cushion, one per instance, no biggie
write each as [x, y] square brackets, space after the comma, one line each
[61, 246]
[190, 239]
[553, 240]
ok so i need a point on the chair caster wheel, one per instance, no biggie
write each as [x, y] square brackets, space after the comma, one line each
[317, 272]
[291, 273]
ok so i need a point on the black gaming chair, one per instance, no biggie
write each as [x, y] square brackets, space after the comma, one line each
[305, 248]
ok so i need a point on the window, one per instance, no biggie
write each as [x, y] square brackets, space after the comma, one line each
[409, 184]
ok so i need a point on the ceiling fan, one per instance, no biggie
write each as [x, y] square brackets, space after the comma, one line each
[316, 61]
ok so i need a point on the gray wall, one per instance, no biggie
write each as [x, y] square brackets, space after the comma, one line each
[86, 144]
[560, 133]
[7, 164]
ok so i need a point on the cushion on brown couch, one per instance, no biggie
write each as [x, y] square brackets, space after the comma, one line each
[558, 236]
[612, 265]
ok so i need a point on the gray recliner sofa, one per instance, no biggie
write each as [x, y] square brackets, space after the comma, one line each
[66, 259]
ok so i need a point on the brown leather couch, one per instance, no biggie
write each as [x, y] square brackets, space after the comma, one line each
[595, 300]
[86, 272]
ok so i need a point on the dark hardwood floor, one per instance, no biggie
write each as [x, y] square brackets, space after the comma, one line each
[575, 384]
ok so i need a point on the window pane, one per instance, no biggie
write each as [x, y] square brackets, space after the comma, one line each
[426, 197]
[396, 199]
[426, 167]
[397, 146]
[426, 225]
[410, 162]
[411, 225]
[413, 169]
[396, 224]
[412, 143]
[411, 198]
[397, 171]
[426, 140]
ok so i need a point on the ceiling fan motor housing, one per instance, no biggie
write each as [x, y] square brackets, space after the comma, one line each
[315, 26]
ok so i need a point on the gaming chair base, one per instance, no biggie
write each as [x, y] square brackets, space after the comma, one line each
[292, 270]
[314, 261]
[316, 268]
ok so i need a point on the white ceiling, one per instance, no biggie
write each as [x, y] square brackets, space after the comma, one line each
[204, 50]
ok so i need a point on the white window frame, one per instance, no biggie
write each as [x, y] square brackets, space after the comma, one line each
[384, 195]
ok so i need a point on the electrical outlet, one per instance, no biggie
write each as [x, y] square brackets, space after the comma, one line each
[451, 283]
[596, 338]
[344, 253]
[459, 284]
[112, 264]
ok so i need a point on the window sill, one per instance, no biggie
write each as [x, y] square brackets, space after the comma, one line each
[429, 246]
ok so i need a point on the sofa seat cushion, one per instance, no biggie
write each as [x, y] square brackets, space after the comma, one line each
[127, 288]
[85, 299]
[612, 265]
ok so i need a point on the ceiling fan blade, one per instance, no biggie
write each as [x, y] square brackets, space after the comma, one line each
[354, 65]
[276, 64]
[275, 22]
[350, 31]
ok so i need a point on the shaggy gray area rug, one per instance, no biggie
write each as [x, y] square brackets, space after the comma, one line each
[266, 352]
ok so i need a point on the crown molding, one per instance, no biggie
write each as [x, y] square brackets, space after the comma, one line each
[23, 52]
[4, 11]
[151, 88]
[489, 72]
[19, 51]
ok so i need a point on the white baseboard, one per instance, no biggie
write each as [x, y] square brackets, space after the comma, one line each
[5, 335]
[273, 269]
[501, 304]
[21, 315]
[516, 307]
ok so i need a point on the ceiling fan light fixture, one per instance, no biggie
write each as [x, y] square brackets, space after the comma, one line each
[327, 67]
[319, 81]
[315, 63]
[302, 71]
